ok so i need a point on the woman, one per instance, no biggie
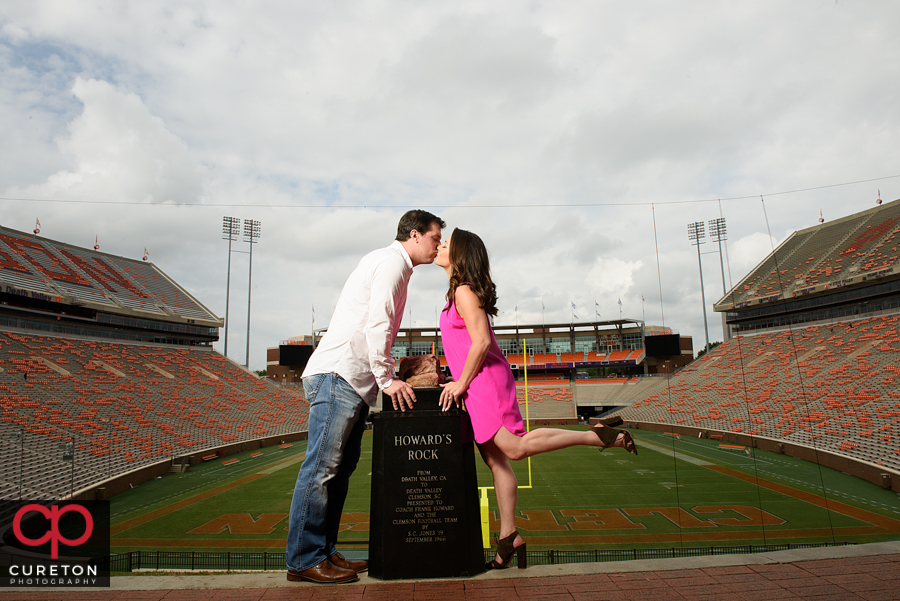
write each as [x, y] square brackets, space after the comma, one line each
[484, 380]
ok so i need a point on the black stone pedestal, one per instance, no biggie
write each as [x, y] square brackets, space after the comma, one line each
[425, 518]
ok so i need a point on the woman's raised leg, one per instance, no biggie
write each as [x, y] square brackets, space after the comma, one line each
[543, 440]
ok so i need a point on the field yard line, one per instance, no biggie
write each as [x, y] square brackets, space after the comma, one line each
[884, 522]
[746, 460]
[668, 451]
[149, 517]
[280, 465]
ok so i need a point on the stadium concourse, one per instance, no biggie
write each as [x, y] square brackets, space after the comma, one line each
[812, 368]
[112, 355]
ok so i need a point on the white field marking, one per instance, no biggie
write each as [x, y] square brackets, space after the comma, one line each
[702, 450]
[668, 451]
[206, 484]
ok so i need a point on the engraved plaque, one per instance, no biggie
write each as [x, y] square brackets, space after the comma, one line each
[424, 520]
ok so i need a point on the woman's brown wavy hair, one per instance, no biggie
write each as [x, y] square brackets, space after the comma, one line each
[470, 265]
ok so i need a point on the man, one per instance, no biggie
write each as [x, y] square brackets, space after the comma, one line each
[341, 381]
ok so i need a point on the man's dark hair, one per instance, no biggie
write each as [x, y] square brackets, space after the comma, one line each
[418, 220]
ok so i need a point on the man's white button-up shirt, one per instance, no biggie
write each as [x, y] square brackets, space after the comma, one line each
[357, 345]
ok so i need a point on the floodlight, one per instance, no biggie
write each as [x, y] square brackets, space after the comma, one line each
[251, 230]
[231, 228]
[696, 231]
[717, 229]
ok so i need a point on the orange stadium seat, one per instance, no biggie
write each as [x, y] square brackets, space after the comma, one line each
[833, 387]
[544, 358]
[129, 404]
[825, 254]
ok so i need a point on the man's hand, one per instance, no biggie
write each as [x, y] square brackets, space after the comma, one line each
[400, 393]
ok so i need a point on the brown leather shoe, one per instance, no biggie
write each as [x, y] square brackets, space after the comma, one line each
[358, 566]
[324, 573]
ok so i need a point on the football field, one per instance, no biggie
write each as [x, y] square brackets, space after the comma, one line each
[677, 492]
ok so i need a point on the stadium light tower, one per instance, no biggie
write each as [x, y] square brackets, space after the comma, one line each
[718, 232]
[696, 234]
[231, 229]
[251, 235]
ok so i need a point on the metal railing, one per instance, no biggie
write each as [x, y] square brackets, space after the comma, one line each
[244, 561]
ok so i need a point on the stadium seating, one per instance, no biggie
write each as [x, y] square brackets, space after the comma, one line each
[126, 406]
[637, 355]
[833, 387]
[546, 401]
[618, 355]
[541, 358]
[50, 267]
[826, 254]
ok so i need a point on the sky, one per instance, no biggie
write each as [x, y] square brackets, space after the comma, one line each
[578, 139]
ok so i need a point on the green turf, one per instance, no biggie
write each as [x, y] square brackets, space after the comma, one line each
[573, 481]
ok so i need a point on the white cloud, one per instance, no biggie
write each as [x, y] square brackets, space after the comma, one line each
[121, 152]
[14, 33]
[390, 106]
[748, 252]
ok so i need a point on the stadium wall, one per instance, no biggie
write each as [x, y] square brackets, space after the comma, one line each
[877, 474]
[615, 393]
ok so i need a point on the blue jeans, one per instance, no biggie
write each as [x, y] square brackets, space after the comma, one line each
[337, 420]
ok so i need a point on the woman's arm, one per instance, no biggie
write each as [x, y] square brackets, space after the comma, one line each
[475, 318]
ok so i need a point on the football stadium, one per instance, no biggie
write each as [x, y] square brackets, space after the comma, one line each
[781, 437]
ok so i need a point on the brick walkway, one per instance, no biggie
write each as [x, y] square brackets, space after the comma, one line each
[872, 577]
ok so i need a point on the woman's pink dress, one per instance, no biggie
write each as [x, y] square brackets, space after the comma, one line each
[491, 397]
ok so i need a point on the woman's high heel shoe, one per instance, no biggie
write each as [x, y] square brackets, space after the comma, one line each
[612, 422]
[609, 435]
[505, 550]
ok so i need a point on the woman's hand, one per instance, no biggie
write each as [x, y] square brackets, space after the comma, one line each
[451, 393]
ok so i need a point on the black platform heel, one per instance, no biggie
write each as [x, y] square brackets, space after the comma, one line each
[609, 435]
[505, 550]
[612, 422]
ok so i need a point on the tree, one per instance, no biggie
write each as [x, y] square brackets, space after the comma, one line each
[712, 345]
[260, 372]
